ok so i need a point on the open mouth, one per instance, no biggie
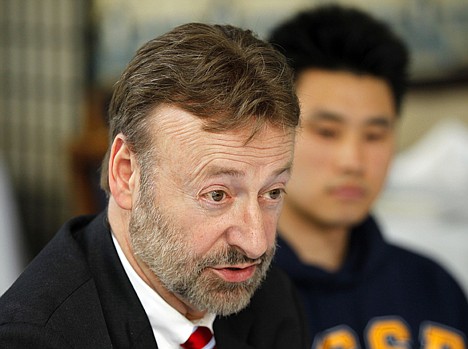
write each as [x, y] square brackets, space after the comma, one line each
[235, 274]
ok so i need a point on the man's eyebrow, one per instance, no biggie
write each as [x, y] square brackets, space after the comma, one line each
[234, 172]
[324, 115]
[378, 120]
[286, 169]
[225, 171]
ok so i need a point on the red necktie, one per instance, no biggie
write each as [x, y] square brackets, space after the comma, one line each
[199, 339]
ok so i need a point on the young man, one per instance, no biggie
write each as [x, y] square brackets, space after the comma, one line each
[359, 291]
[202, 127]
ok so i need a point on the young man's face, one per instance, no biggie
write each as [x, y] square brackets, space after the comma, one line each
[344, 147]
[205, 221]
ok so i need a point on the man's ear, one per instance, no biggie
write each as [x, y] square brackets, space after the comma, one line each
[123, 173]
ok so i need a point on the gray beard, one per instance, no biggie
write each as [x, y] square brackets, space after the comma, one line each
[158, 242]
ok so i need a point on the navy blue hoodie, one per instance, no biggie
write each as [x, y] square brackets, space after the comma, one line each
[383, 297]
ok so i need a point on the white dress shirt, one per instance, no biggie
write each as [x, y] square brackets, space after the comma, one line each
[170, 328]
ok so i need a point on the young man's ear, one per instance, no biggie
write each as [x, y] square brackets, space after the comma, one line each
[123, 173]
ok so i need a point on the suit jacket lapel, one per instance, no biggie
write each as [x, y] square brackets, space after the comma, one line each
[126, 319]
[232, 332]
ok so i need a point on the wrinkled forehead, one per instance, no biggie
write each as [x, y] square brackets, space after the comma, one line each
[184, 149]
[171, 124]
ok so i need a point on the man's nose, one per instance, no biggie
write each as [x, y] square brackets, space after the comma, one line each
[350, 157]
[249, 234]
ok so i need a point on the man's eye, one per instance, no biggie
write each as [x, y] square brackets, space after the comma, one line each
[326, 132]
[275, 193]
[216, 195]
[375, 136]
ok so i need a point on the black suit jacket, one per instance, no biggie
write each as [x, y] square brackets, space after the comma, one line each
[75, 294]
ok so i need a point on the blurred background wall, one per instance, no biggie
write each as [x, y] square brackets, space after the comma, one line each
[59, 59]
[42, 82]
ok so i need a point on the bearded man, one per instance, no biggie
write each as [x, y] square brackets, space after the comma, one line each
[202, 127]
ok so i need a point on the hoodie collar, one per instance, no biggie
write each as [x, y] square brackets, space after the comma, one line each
[366, 255]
